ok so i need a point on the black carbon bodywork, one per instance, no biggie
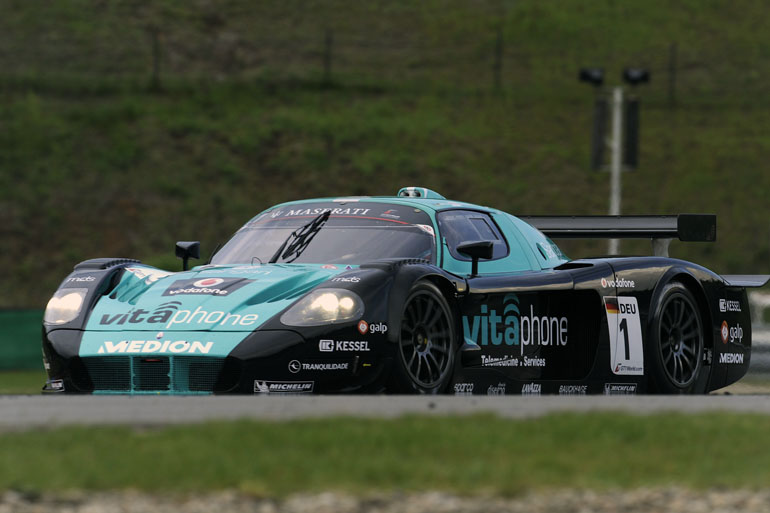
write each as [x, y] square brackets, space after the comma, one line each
[589, 326]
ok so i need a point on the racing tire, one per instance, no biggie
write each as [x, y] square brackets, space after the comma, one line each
[426, 349]
[677, 342]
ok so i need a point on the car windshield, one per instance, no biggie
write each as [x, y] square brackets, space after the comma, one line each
[353, 233]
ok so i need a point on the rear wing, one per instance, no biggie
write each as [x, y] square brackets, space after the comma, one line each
[660, 229]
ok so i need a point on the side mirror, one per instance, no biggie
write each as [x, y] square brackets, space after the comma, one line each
[476, 250]
[186, 250]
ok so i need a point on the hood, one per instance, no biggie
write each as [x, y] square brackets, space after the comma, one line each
[208, 298]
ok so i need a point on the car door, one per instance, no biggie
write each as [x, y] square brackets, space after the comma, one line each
[529, 323]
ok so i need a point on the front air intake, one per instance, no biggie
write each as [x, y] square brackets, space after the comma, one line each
[153, 374]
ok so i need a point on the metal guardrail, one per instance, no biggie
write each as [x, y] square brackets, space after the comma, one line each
[760, 352]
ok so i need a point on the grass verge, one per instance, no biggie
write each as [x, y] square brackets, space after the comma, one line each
[469, 455]
[22, 382]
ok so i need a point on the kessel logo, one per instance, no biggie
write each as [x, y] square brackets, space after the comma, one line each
[219, 287]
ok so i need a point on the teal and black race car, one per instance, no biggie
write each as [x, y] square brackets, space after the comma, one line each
[406, 294]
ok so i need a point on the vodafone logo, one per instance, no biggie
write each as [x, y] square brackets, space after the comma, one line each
[206, 286]
[208, 282]
[621, 283]
[725, 332]
[363, 327]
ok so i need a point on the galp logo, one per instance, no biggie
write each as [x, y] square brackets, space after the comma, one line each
[379, 327]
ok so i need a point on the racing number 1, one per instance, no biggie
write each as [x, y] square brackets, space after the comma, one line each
[623, 317]
[624, 329]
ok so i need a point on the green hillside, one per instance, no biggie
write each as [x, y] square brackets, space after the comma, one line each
[125, 126]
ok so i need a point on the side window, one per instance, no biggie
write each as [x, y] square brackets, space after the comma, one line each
[458, 226]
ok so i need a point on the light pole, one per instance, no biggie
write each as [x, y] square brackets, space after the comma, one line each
[633, 76]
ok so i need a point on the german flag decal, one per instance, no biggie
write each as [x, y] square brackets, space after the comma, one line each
[611, 305]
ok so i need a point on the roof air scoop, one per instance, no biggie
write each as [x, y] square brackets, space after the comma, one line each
[418, 192]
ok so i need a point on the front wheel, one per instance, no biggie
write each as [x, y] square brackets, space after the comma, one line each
[676, 352]
[425, 358]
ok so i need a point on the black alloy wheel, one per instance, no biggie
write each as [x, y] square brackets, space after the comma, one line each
[426, 341]
[679, 337]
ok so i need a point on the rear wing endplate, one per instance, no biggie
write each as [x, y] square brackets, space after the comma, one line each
[661, 229]
[746, 280]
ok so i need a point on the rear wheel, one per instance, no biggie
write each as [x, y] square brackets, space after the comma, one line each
[677, 342]
[426, 342]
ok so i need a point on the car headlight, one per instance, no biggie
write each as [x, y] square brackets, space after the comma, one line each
[64, 306]
[324, 306]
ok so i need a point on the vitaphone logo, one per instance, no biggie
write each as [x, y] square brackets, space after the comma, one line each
[513, 329]
[170, 314]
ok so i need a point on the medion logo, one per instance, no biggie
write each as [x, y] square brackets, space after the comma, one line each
[731, 358]
[155, 346]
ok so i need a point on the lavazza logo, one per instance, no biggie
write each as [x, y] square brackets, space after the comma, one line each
[619, 283]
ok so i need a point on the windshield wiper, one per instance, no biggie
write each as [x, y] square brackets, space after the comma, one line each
[300, 238]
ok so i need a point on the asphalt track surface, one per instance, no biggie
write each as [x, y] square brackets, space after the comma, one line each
[18, 412]
[29, 412]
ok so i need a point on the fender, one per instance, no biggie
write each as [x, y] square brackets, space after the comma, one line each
[98, 276]
[405, 274]
[686, 274]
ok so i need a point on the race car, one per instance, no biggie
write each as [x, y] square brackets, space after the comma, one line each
[411, 293]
